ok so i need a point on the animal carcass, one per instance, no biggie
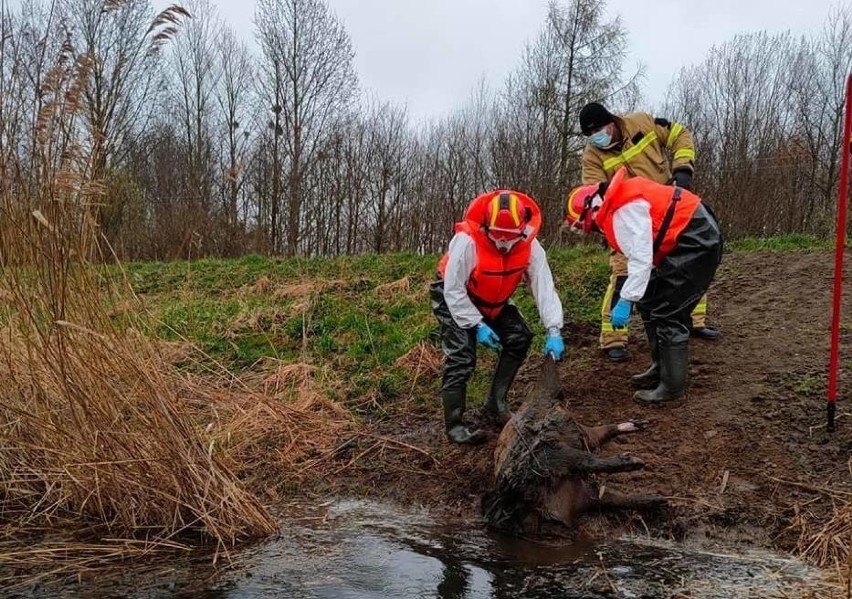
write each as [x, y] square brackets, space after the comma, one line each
[544, 462]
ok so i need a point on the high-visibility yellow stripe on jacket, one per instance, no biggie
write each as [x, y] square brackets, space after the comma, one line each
[632, 152]
[650, 148]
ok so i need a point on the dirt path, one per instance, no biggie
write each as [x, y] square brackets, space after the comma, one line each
[752, 417]
[754, 408]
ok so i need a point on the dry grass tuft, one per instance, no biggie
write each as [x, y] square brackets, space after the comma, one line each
[176, 352]
[261, 287]
[258, 321]
[424, 359]
[296, 290]
[394, 289]
[27, 566]
[277, 423]
[302, 385]
[826, 544]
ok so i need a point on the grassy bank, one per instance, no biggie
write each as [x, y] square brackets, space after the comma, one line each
[353, 316]
[253, 371]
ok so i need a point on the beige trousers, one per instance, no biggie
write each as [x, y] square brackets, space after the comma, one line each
[613, 337]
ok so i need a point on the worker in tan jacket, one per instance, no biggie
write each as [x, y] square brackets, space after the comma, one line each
[648, 147]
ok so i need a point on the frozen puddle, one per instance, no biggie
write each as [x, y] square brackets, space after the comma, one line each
[366, 550]
[361, 550]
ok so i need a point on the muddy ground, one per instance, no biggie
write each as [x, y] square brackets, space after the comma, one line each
[745, 452]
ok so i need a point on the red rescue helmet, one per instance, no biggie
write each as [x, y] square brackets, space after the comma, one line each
[579, 209]
[506, 220]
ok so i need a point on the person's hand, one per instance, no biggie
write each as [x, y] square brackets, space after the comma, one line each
[554, 346]
[620, 315]
[486, 336]
[682, 178]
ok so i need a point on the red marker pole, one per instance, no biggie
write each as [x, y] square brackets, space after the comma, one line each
[839, 246]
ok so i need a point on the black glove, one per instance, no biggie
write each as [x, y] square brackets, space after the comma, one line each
[682, 178]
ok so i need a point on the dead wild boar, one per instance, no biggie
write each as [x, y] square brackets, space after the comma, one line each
[544, 462]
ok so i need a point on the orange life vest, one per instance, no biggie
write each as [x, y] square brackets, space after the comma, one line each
[495, 276]
[622, 191]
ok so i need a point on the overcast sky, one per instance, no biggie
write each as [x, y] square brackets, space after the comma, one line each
[430, 54]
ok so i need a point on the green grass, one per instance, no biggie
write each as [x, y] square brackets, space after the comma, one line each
[808, 384]
[342, 320]
[781, 243]
[206, 299]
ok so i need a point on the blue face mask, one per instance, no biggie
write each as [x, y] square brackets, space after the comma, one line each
[602, 139]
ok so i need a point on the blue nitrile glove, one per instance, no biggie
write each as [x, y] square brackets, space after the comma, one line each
[554, 345]
[486, 336]
[620, 315]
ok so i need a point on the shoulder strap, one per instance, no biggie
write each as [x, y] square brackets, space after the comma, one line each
[667, 219]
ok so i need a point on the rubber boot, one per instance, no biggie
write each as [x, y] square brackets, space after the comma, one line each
[496, 406]
[706, 332]
[674, 363]
[457, 432]
[651, 377]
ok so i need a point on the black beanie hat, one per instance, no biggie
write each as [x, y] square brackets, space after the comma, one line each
[594, 116]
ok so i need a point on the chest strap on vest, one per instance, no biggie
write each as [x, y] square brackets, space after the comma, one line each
[667, 219]
[478, 301]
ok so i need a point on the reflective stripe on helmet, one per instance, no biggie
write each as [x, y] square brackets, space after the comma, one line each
[504, 201]
[569, 208]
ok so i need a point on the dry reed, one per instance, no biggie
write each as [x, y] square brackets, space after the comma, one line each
[281, 419]
[91, 422]
[826, 543]
[94, 429]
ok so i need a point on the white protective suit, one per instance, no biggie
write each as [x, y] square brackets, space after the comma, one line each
[460, 263]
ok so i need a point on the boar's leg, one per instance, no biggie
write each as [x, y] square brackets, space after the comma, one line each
[620, 463]
[574, 497]
[598, 436]
[617, 501]
[563, 460]
[567, 501]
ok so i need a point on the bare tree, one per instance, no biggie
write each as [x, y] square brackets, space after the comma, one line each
[387, 164]
[271, 159]
[123, 84]
[31, 47]
[581, 55]
[279, 153]
[577, 57]
[233, 97]
[307, 57]
[819, 89]
[121, 39]
[192, 104]
[740, 105]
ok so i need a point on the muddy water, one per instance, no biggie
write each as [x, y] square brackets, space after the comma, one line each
[364, 550]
